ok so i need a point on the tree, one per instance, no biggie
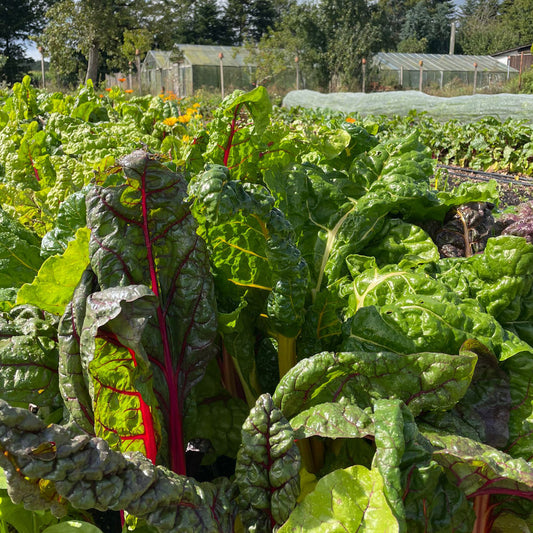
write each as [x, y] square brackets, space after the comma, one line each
[249, 20]
[430, 20]
[18, 20]
[298, 35]
[81, 33]
[481, 28]
[351, 36]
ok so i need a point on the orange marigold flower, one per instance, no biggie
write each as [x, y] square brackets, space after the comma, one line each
[351, 120]
[108, 89]
[170, 121]
[129, 91]
[122, 79]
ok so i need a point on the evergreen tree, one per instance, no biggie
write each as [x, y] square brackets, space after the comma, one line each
[430, 21]
[19, 19]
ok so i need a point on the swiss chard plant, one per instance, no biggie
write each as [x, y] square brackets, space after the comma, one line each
[257, 330]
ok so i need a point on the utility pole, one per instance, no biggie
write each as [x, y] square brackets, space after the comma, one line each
[41, 51]
[452, 39]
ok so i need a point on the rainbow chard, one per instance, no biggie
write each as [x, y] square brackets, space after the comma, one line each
[147, 335]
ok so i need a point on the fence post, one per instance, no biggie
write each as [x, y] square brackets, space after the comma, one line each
[475, 77]
[296, 61]
[221, 57]
[401, 76]
[421, 75]
[364, 74]
[520, 72]
[138, 65]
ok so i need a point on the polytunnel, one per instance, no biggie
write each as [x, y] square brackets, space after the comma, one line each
[415, 71]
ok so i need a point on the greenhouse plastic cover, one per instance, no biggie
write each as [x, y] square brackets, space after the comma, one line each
[464, 108]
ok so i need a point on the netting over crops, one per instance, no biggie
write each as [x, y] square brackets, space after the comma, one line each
[468, 108]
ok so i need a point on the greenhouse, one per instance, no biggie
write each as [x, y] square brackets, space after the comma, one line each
[191, 67]
[411, 71]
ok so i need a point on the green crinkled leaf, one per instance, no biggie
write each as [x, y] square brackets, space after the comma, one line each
[235, 133]
[86, 473]
[70, 217]
[401, 242]
[54, 285]
[20, 258]
[252, 247]
[267, 467]
[29, 357]
[501, 279]
[73, 376]
[345, 500]
[416, 308]
[424, 381]
[485, 409]
[479, 469]
[120, 375]
[333, 420]
[520, 371]
[416, 487]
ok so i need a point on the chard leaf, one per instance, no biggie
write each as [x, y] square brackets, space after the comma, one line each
[416, 486]
[267, 467]
[85, 472]
[501, 279]
[142, 232]
[345, 500]
[415, 308]
[19, 253]
[54, 285]
[252, 247]
[401, 242]
[520, 371]
[120, 374]
[486, 406]
[333, 420]
[424, 381]
[70, 217]
[29, 357]
[73, 376]
[236, 131]
[478, 469]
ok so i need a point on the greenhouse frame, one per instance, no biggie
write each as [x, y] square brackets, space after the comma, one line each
[191, 67]
[440, 70]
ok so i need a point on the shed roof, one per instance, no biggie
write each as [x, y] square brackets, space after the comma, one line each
[200, 54]
[444, 62]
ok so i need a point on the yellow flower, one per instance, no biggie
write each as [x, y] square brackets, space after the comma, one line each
[170, 121]
[351, 120]
[185, 139]
[196, 105]
[184, 119]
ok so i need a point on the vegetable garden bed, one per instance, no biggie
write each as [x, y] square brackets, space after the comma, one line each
[259, 323]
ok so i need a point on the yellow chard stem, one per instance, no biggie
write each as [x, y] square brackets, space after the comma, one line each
[286, 354]
[286, 360]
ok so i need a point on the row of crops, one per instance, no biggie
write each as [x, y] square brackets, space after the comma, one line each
[240, 318]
